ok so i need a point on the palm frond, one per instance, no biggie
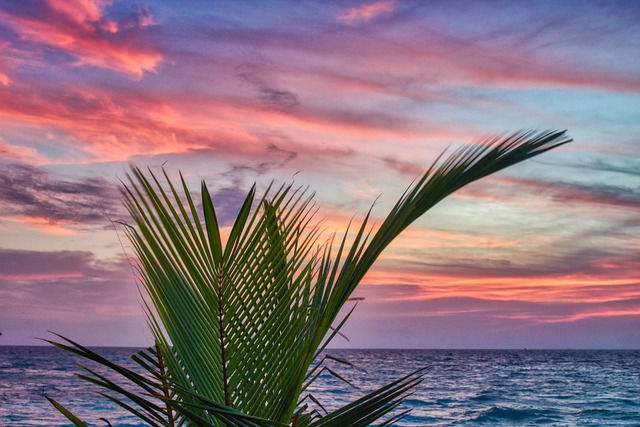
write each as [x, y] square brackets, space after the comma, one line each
[240, 324]
[373, 406]
[64, 411]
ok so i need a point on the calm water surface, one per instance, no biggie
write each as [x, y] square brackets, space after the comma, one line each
[461, 388]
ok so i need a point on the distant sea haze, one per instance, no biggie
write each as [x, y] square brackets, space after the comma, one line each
[462, 387]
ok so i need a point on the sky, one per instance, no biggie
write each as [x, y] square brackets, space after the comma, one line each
[353, 99]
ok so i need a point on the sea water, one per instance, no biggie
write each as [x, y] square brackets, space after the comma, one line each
[460, 388]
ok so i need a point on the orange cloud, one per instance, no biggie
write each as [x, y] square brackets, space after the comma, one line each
[44, 225]
[365, 12]
[546, 289]
[415, 238]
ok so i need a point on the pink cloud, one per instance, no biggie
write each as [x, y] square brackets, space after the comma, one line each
[5, 64]
[365, 12]
[80, 11]
[21, 154]
[138, 123]
[80, 28]
[4, 79]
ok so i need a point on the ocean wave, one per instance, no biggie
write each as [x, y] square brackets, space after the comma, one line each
[499, 414]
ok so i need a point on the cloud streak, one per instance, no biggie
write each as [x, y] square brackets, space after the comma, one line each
[566, 194]
[278, 99]
[31, 194]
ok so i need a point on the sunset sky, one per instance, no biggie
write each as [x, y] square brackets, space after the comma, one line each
[354, 99]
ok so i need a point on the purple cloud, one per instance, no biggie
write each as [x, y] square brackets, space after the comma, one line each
[29, 191]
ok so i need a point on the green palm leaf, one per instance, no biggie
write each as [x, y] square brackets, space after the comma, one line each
[239, 322]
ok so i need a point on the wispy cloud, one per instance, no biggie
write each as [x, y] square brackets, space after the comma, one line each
[626, 166]
[272, 97]
[365, 12]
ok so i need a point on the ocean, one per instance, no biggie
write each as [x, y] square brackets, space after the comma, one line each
[461, 387]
